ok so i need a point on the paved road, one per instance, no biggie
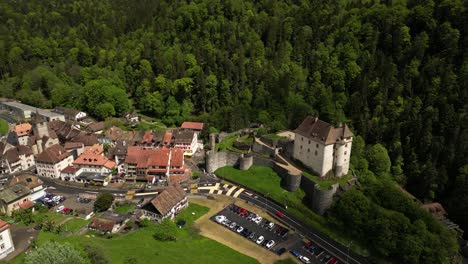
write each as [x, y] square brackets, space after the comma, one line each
[327, 243]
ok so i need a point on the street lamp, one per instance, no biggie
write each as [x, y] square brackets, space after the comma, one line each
[347, 255]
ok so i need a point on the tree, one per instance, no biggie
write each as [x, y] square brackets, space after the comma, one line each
[53, 252]
[95, 254]
[103, 202]
[379, 161]
[166, 231]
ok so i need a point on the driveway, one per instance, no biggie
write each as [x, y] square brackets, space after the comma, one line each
[22, 236]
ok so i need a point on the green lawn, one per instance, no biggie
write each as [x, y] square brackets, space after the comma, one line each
[75, 224]
[125, 208]
[227, 143]
[143, 248]
[266, 181]
[326, 183]
[274, 137]
[3, 127]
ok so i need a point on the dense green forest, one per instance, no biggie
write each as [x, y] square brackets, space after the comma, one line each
[396, 71]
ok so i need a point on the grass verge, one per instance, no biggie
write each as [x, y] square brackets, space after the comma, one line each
[3, 127]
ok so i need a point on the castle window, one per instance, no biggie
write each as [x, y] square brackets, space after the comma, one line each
[302, 139]
[309, 141]
[345, 160]
[345, 152]
[301, 147]
[308, 150]
[317, 145]
[316, 153]
[346, 145]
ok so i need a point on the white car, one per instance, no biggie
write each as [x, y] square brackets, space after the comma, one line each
[258, 220]
[260, 240]
[60, 209]
[271, 225]
[270, 244]
[240, 229]
[304, 259]
[220, 218]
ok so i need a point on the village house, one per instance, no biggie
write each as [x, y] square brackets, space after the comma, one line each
[96, 128]
[187, 141]
[6, 240]
[92, 160]
[14, 198]
[192, 126]
[75, 148]
[108, 222]
[154, 164]
[32, 182]
[69, 113]
[52, 161]
[42, 138]
[15, 158]
[323, 148]
[118, 153]
[132, 118]
[166, 205]
[22, 133]
[70, 173]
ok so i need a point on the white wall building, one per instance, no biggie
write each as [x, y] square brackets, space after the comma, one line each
[52, 161]
[322, 147]
[186, 140]
[6, 240]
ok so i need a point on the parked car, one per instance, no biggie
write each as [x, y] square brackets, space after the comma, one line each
[281, 251]
[220, 218]
[332, 260]
[233, 225]
[258, 219]
[234, 208]
[260, 240]
[304, 259]
[240, 229]
[59, 209]
[308, 244]
[270, 244]
[271, 225]
[252, 235]
[295, 253]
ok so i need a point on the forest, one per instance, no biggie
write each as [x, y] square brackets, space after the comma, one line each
[395, 71]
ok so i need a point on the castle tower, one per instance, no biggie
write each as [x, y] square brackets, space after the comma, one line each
[41, 129]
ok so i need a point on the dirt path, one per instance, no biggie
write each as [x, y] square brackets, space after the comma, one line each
[216, 232]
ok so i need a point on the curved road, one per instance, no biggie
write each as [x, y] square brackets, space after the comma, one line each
[336, 249]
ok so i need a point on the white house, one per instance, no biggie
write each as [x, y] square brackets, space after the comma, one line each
[70, 114]
[14, 159]
[322, 147]
[22, 133]
[92, 160]
[6, 240]
[52, 161]
[186, 140]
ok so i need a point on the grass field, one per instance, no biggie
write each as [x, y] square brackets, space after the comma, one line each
[75, 224]
[267, 182]
[141, 247]
[125, 208]
[3, 127]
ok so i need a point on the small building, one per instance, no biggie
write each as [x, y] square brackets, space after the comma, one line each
[52, 161]
[15, 158]
[193, 126]
[108, 222]
[14, 198]
[132, 118]
[6, 240]
[187, 141]
[70, 114]
[166, 205]
[93, 177]
[96, 128]
[23, 110]
[22, 132]
[70, 173]
[32, 182]
[92, 161]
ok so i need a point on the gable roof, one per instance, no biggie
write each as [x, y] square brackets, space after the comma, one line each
[144, 158]
[22, 129]
[94, 149]
[28, 180]
[168, 198]
[184, 136]
[53, 154]
[192, 125]
[3, 225]
[94, 160]
[314, 128]
[73, 145]
[86, 139]
[95, 127]
[14, 193]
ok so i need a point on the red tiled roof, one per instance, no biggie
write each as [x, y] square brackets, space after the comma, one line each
[70, 169]
[168, 198]
[73, 145]
[94, 150]
[3, 225]
[177, 157]
[193, 125]
[95, 160]
[27, 204]
[154, 157]
[22, 129]
[102, 224]
[53, 154]
[167, 137]
[148, 137]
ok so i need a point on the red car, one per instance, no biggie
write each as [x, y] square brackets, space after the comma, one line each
[332, 261]
[65, 210]
[308, 244]
[279, 214]
[242, 212]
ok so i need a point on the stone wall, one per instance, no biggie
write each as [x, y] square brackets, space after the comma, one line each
[290, 182]
[322, 199]
[216, 160]
[259, 161]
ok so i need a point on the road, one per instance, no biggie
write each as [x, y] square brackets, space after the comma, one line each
[325, 242]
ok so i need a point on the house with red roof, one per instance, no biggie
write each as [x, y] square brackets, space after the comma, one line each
[96, 163]
[22, 133]
[52, 161]
[194, 126]
[153, 165]
[6, 240]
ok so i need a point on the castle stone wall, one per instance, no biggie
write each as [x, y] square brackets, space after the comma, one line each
[322, 199]
[216, 160]
[245, 162]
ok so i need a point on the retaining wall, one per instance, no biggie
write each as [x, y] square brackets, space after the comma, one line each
[216, 160]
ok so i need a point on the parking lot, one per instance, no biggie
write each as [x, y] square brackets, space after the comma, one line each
[261, 232]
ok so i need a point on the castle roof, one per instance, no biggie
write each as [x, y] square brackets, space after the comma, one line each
[322, 131]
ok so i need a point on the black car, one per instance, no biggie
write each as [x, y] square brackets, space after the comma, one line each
[281, 251]
[252, 235]
[234, 208]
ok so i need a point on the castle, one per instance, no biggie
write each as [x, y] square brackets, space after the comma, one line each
[323, 148]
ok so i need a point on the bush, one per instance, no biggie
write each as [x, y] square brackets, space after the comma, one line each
[166, 231]
[95, 254]
[145, 223]
[103, 202]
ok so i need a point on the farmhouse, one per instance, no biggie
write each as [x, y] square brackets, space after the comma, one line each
[167, 204]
